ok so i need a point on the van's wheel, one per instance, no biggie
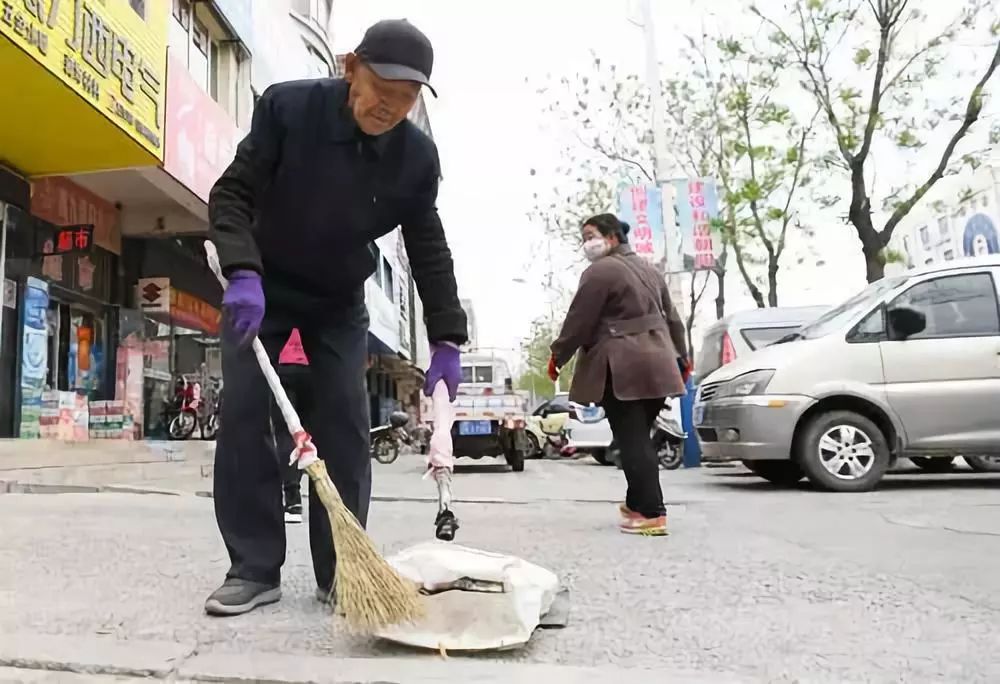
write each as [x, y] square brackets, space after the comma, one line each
[534, 448]
[842, 451]
[785, 473]
[934, 465]
[983, 464]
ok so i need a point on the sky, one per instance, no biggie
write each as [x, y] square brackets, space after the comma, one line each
[490, 132]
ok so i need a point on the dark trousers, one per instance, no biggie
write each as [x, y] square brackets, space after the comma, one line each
[247, 471]
[298, 386]
[631, 422]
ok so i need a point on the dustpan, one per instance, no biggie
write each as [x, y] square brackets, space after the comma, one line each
[476, 600]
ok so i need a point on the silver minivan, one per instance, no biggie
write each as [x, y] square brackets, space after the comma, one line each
[908, 367]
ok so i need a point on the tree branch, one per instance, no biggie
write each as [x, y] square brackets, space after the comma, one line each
[820, 82]
[972, 111]
[796, 178]
[613, 156]
[885, 28]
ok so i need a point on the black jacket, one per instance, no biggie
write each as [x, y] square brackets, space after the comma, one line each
[308, 192]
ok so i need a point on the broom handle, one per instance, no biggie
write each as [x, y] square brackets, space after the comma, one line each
[288, 412]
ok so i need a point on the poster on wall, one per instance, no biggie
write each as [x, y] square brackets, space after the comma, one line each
[34, 355]
[980, 237]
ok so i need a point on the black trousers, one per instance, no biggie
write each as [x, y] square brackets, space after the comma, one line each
[247, 472]
[298, 386]
[631, 422]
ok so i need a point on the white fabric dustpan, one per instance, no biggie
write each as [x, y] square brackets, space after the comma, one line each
[476, 600]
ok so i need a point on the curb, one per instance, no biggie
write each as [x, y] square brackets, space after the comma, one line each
[179, 661]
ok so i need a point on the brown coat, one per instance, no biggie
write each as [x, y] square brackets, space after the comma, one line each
[622, 318]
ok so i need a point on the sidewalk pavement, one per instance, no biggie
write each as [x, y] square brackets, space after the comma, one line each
[755, 583]
[42, 658]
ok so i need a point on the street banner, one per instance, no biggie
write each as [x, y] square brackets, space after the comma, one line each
[696, 201]
[641, 206]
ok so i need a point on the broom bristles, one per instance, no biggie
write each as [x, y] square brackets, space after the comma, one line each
[370, 592]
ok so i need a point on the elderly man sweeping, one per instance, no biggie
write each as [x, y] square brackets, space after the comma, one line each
[329, 166]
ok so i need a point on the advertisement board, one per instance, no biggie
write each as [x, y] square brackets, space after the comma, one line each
[34, 355]
[641, 206]
[696, 201]
[201, 136]
[62, 202]
[110, 53]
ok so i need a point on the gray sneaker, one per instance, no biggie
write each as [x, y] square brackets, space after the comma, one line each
[237, 596]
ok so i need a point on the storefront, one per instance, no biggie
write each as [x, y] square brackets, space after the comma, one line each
[88, 85]
[179, 302]
[95, 73]
[61, 331]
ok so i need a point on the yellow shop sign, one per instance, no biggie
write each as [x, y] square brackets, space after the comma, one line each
[111, 52]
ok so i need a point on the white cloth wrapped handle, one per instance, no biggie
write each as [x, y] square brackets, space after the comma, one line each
[305, 451]
[441, 450]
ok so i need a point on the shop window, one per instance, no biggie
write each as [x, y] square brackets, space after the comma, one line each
[925, 236]
[139, 6]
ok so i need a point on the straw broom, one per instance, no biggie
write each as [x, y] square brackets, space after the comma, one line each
[369, 591]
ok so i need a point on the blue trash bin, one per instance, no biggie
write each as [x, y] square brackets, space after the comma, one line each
[692, 450]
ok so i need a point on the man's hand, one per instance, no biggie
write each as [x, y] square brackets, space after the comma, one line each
[243, 303]
[446, 364]
[553, 370]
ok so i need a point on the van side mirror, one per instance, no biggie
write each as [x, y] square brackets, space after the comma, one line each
[905, 322]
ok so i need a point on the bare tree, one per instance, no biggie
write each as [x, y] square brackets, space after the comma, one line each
[899, 105]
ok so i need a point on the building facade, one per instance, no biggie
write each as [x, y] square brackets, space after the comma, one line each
[136, 108]
[958, 218]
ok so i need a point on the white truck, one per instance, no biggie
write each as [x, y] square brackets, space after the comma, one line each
[490, 417]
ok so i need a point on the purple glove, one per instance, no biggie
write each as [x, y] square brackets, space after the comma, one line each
[243, 303]
[446, 364]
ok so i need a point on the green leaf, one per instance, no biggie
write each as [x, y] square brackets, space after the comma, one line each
[792, 155]
[907, 139]
[861, 56]
[775, 214]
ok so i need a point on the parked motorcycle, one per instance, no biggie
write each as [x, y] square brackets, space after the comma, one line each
[183, 409]
[211, 412]
[386, 440]
[668, 439]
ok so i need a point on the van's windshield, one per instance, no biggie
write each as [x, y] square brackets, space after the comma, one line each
[838, 316]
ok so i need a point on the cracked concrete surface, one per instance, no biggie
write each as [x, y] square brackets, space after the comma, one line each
[754, 584]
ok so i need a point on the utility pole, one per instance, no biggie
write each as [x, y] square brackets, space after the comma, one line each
[662, 170]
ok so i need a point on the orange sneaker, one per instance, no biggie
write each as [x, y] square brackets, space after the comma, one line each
[648, 527]
[627, 512]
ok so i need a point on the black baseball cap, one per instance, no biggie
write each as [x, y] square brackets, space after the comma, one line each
[397, 50]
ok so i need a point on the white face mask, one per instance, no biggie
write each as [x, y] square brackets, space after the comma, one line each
[595, 248]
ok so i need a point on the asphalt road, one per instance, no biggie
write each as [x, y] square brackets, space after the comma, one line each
[755, 582]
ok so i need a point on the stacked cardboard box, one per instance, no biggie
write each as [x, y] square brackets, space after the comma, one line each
[108, 421]
[64, 416]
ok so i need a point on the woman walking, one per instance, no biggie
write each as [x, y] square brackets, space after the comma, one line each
[632, 357]
[293, 370]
